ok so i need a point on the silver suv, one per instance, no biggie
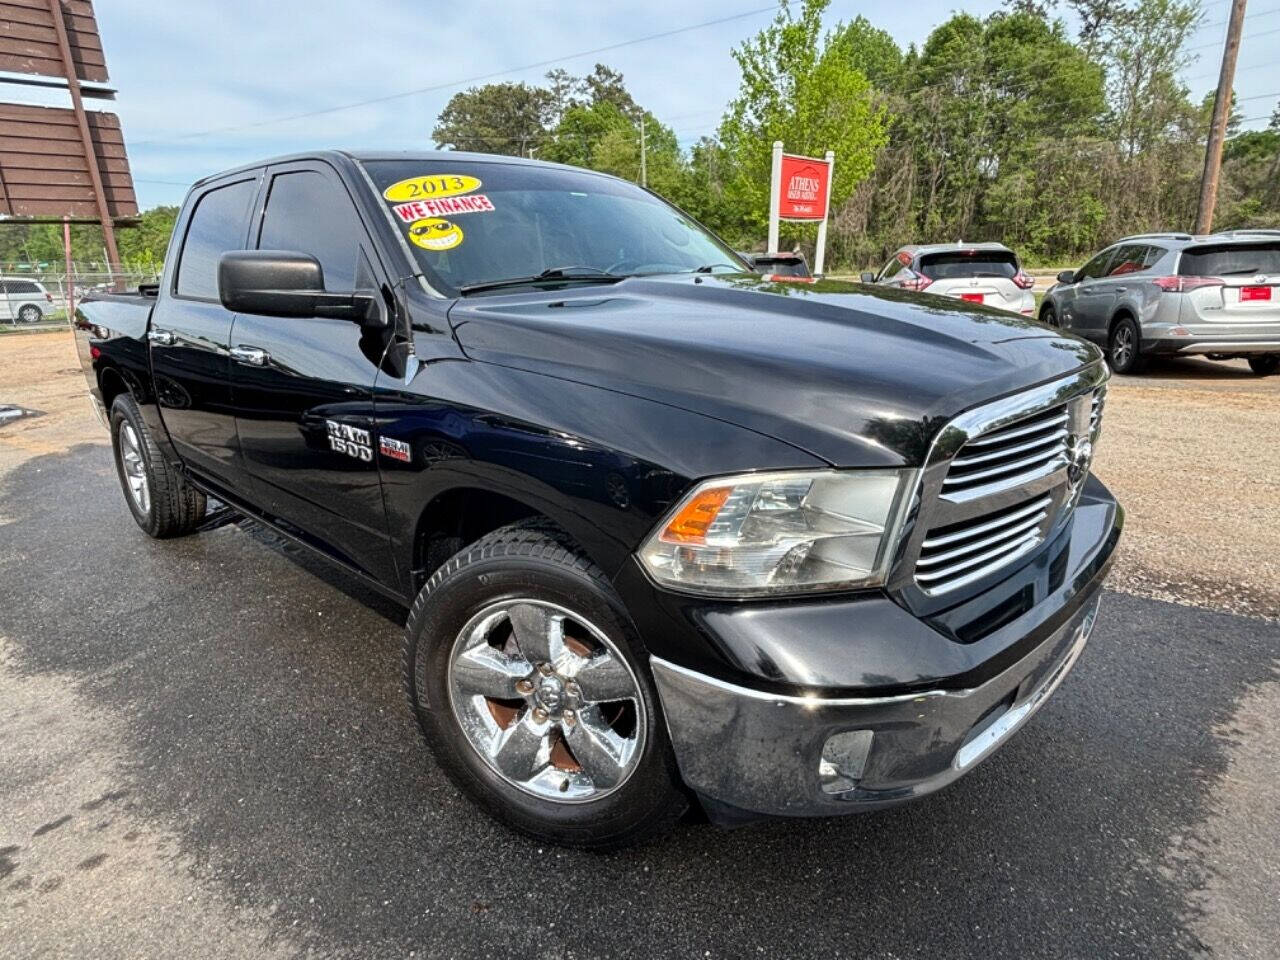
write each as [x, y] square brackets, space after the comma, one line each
[987, 273]
[1175, 294]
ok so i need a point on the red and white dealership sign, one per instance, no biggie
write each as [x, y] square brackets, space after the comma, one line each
[804, 186]
[800, 189]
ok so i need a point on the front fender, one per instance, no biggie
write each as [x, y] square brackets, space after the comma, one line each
[605, 466]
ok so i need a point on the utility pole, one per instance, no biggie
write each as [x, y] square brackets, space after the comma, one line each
[1221, 113]
[644, 166]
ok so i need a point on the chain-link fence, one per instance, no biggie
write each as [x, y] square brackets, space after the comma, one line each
[34, 295]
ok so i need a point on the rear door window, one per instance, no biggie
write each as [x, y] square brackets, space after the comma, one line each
[218, 224]
[1128, 259]
[1226, 260]
[969, 263]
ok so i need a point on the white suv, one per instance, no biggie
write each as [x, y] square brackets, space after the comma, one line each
[987, 273]
[24, 301]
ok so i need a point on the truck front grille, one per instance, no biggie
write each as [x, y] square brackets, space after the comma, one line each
[961, 553]
[1005, 458]
[999, 480]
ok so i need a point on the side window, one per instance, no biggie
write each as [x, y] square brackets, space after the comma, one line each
[1153, 257]
[307, 212]
[1095, 267]
[1128, 259]
[217, 225]
[891, 268]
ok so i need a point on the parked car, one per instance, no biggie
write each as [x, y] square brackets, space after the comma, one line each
[666, 530]
[1172, 294]
[23, 300]
[786, 265]
[987, 273]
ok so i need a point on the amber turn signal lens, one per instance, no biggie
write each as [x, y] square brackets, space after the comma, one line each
[691, 523]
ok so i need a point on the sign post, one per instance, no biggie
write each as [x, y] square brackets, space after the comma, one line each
[801, 191]
[820, 258]
[775, 192]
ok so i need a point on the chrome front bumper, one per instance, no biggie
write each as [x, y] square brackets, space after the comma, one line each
[770, 754]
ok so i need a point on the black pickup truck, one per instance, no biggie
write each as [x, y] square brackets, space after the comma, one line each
[667, 531]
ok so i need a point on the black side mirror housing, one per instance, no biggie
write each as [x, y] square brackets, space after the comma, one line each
[282, 283]
[868, 277]
[1067, 276]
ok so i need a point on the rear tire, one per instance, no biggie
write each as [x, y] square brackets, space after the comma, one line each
[30, 314]
[161, 500]
[1265, 366]
[493, 742]
[1124, 347]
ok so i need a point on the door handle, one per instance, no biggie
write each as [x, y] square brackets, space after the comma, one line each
[250, 355]
[162, 337]
[1121, 289]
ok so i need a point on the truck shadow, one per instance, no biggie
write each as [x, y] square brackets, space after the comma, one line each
[256, 662]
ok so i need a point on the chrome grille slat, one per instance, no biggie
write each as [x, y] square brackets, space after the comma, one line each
[1040, 503]
[1000, 553]
[1025, 465]
[974, 575]
[1057, 435]
[1002, 536]
[1020, 429]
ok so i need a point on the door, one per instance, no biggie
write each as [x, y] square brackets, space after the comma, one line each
[1082, 307]
[303, 387]
[190, 334]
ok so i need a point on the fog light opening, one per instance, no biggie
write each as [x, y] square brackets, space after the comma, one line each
[844, 757]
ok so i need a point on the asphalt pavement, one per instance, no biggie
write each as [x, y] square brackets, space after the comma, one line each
[204, 751]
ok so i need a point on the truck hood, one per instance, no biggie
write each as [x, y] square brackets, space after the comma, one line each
[855, 375]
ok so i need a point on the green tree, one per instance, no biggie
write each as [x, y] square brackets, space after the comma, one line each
[507, 118]
[798, 85]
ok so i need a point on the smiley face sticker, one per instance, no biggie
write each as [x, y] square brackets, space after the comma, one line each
[435, 234]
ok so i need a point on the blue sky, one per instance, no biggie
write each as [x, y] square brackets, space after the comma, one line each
[191, 66]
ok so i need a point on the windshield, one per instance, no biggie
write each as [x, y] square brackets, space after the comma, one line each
[969, 263]
[471, 224]
[1225, 260]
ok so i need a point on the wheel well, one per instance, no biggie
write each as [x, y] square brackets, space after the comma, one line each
[111, 384]
[456, 518]
[1119, 315]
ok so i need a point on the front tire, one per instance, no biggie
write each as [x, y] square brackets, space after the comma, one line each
[30, 314]
[1265, 366]
[533, 692]
[1048, 316]
[1124, 347]
[160, 499]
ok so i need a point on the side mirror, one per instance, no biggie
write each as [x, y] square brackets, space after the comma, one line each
[1067, 276]
[868, 278]
[280, 283]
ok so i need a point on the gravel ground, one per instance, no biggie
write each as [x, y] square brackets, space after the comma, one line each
[1190, 448]
[205, 752]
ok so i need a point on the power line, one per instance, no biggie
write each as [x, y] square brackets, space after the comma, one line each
[458, 83]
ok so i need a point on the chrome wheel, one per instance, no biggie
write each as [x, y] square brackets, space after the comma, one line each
[135, 470]
[547, 700]
[30, 314]
[1122, 347]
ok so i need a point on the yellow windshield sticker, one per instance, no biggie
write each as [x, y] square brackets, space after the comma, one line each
[436, 234]
[431, 186]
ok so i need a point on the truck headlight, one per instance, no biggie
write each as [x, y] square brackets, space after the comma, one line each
[791, 532]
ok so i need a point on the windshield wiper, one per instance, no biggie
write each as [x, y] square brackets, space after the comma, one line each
[586, 275]
[710, 267]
